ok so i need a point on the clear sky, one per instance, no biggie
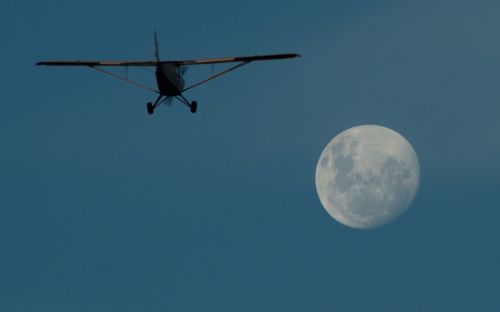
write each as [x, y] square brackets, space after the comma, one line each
[105, 208]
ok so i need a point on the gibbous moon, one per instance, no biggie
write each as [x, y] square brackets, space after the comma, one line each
[367, 176]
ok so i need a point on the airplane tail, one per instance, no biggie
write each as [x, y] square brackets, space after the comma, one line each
[157, 52]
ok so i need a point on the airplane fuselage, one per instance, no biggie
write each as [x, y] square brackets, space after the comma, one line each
[169, 79]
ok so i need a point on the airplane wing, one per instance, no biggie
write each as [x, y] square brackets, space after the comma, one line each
[244, 59]
[240, 59]
[97, 63]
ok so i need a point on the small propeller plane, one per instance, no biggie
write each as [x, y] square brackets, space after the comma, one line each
[170, 74]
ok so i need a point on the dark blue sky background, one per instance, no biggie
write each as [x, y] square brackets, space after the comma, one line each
[105, 208]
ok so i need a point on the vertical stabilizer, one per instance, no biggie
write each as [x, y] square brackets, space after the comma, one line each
[157, 52]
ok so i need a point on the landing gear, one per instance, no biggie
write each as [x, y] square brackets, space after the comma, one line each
[193, 106]
[150, 108]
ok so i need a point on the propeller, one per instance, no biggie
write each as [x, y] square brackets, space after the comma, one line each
[184, 70]
[167, 101]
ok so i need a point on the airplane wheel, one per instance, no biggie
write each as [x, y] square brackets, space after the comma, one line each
[150, 108]
[194, 106]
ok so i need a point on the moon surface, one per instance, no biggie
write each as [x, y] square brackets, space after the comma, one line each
[367, 176]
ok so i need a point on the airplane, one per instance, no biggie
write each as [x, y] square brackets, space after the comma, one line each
[170, 74]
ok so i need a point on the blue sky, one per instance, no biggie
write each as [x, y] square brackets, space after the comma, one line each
[106, 208]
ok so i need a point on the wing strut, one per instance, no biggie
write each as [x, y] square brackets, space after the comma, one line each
[124, 79]
[215, 76]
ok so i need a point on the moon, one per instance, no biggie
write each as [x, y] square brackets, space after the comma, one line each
[367, 176]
